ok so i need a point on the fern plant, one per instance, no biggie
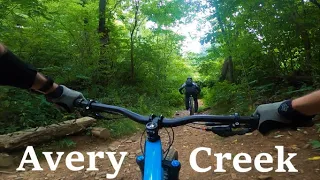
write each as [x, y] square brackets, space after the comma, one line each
[315, 143]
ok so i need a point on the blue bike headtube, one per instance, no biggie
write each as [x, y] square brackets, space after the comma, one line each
[153, 161]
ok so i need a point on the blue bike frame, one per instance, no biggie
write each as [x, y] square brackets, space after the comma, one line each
[153, 161]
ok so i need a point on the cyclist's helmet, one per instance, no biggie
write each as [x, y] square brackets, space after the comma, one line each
[189, 81]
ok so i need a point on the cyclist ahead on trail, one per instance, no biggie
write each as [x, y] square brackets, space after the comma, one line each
[193, 89]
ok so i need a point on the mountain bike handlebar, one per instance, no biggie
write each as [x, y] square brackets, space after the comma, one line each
[248, 121]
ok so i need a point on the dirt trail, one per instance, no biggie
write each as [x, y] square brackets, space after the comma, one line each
[186, 140]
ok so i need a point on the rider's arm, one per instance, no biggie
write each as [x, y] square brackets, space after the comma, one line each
[308, 104]
[39, 81]
[180, 89]
[14, 72]
[198, 88]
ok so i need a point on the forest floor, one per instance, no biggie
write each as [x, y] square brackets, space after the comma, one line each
[186, 140]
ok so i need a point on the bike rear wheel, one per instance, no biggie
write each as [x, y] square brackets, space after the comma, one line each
[191, 105]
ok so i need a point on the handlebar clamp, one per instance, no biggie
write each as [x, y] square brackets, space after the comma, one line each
[88, 106]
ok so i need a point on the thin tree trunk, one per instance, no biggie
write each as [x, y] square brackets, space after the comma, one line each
[104, 32]
[306, 40]
[307, 48]
[227, 70]
[131, 57]
[136, 3]
[86, 47]
[104, 40]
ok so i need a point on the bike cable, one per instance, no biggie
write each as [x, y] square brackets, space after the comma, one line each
[170, 145]
[201, 128]
[141, 141]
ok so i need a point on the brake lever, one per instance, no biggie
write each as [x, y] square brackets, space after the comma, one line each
[99, 116]
[226, 131]
[92, 114]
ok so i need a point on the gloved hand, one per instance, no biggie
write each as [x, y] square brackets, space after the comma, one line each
[64, 97]
[280, 115]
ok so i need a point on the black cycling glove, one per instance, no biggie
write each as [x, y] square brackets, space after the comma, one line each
[298, 119]
[280, 115]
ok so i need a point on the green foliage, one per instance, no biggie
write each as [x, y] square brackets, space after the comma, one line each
[228, 98]
[65, 143]
[210, 71]
[315, 143]
[274, 50]
[121, 127]
[20, 111]
[143, 104]
[266, 40]
[60, 39]
[166, 12]
[61, 144]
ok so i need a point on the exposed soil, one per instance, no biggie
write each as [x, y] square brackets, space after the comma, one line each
[186, 140]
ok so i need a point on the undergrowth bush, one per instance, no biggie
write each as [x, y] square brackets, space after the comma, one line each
[144, 104]
[21, 109]
[226, 98]
[316, 143]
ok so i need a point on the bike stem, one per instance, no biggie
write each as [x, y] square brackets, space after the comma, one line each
[152, 127]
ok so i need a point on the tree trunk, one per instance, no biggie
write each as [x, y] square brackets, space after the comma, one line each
[100, 132]
[307, 48]
[33, 136]
[103, 32]
[86, 46]
[227, 70]
[131, 57]
[102, 29]
[136, 4]
[306, 40]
